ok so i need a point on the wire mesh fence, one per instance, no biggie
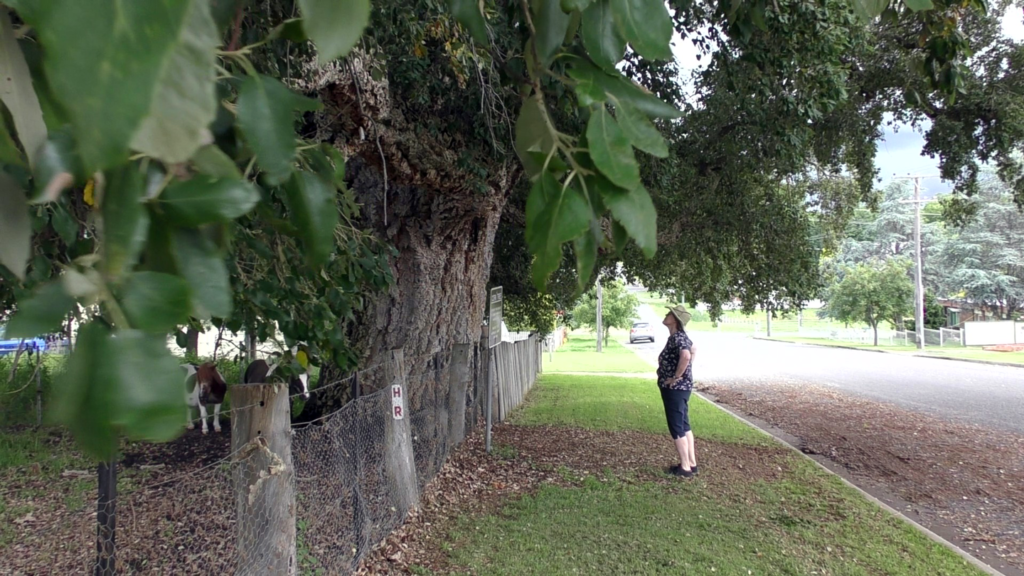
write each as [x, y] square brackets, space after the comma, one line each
[243, 502]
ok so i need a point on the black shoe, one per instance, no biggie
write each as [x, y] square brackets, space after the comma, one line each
[694, 470]
[677, 470]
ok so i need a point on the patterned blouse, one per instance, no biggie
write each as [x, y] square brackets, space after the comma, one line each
[668, 362]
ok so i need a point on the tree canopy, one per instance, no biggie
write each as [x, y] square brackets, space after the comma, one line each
[290, 164]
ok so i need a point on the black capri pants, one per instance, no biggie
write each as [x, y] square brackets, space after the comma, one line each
[677, 411]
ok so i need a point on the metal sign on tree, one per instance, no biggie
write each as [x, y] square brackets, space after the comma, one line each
[494, 318]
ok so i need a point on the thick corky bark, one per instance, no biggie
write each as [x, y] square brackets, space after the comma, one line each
[442, 226]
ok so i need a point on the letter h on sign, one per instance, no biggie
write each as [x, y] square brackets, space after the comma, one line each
[397, 408]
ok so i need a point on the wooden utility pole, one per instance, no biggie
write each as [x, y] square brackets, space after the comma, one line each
[263, 475]
[600, 312]
[918, 271]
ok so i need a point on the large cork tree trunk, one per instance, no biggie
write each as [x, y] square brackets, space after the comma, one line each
[442, 227]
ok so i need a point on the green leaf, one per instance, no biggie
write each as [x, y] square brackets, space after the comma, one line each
[184, 100]
[554, 215]
[619, 237]
[149, 395]
[155, 302]
[551, 24]
[533, 135]
[918, 5]
[205, 199]
[646, 25]
[868, 10]
[159, 252]
[128, 384]
[610, 150]
[290, 30]
[54, 114]
[212, 161]
[601, 38]
[203, 267]
[334, 25]
[9, 152]
[585, 247]
[338, 161]
[125, 220]
[595, 83]
[64, 224]
[635, 211]
[266, 115]
[223, 14]
[57, 165]
[17, 92]
[44, 312]
[570, 6]
[15, 227]
[85, 394]
[469, 13]
[104, 60]
[640, 131]
[311, 201]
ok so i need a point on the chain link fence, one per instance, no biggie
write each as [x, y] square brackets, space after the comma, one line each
[243, 502]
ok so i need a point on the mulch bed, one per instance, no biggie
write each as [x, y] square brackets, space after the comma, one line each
[954, 474]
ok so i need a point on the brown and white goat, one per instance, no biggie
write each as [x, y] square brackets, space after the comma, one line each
[203, 385]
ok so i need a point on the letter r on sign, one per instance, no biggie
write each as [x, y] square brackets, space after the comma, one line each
[398, 412]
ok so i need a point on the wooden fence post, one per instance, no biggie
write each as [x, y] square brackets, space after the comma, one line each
[399, 460]
[263, 474]
[458, 379]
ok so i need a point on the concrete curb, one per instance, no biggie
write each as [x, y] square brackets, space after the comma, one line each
[911, 354]
[931, 535]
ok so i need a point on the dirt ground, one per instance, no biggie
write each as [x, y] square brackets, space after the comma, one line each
[956, 477]
[175, 512]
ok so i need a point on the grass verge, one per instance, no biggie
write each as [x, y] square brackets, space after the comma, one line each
[789, 519]
[957, 353]
[613, 403]
[580, 354]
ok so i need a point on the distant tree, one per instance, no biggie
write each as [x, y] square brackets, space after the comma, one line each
[618, 307]
[984, 261]
[872, 292]
[934, 314]
[888, 231]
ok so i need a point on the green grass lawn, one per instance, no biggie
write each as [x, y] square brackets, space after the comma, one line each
[977, 354]
[614, 403]
[841, 344]
[579, 355]
[799, 520]
[652, 299]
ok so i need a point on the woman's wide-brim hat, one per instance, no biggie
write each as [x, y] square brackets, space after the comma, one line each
[681, 314]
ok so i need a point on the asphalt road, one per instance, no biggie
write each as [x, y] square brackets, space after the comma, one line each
[986, 395]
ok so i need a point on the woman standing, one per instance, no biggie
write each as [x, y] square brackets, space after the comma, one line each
[675, 380]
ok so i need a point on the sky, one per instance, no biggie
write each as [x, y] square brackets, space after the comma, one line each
[899, 149]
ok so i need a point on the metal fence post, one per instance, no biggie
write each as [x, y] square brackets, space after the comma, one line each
[106, 519]
[39, 388]
[490, 393]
